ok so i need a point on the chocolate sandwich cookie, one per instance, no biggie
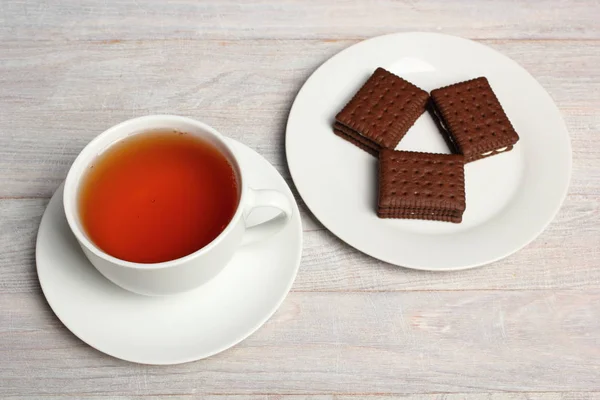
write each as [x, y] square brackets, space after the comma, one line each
[381, 112]
[473, 119]
[421, 186]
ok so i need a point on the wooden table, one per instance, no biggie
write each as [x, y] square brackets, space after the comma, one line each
[527, 327]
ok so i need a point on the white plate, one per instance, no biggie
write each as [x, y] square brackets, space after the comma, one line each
[511, 197]
[173, 329]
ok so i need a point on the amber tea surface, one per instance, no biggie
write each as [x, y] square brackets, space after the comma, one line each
[157, 196]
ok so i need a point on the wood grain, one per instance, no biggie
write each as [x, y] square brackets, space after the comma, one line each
[565, 256]
[223, 75]
[51, 118]
[231, 19]
[445, 396]
[55, 97]
[353, 328]
[318, 343]
[38, 147]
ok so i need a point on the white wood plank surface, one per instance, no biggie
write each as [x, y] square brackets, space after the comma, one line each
[564, 257]
[526, 327]
[231, 19]
[55, 97]
[414, 342]
[444, 396]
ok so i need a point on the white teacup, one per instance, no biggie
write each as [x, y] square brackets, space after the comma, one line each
[193, 270]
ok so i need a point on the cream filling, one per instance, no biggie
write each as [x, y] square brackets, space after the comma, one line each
[449, 136]
[495, 151]
[440, 121]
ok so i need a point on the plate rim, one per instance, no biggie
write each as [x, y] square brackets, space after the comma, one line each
[422, 34]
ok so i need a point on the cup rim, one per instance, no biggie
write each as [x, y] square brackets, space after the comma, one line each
[86, 156]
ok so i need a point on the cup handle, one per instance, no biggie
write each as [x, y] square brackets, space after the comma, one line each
[266, 198]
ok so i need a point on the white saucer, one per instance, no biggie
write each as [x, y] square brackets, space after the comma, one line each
[180, 328]
[511, 197]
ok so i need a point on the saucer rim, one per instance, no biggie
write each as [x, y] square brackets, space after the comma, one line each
[276, 305]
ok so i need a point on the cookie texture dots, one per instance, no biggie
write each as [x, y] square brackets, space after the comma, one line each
[421, 186]
[381, 112]
[473, 119]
